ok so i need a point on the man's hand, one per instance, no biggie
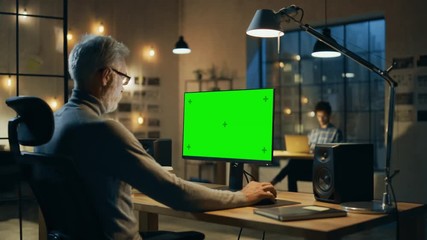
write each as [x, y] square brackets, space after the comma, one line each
[256, 191]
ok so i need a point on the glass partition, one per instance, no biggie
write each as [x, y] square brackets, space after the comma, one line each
[38, 69]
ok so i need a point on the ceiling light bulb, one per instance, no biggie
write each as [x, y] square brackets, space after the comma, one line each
[25, 13]
[152, 52]
[287, 111]
[101, 28]
[69, 36]
[54, 104]
[304, 100]
[9, 81]
[348, 75]
[140, 120]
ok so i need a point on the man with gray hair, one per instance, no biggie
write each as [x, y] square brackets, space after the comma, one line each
[109, 157]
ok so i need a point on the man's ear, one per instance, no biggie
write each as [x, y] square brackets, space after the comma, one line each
[105, 76]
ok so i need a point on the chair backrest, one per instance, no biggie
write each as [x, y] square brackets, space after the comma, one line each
[54, 180]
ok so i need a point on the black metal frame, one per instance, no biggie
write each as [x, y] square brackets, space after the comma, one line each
[65, 47]
[64, 19]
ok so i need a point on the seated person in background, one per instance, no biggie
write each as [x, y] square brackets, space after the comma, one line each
[326, 133]
[109, 157]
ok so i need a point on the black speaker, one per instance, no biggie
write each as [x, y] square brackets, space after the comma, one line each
[159, 148]
[343, 172]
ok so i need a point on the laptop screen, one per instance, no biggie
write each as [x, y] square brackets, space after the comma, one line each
[297, 143]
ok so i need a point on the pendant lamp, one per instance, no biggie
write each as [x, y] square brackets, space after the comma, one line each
[181, 47]
[321, 49]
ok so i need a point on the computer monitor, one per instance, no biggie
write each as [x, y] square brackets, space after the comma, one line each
[232, 125]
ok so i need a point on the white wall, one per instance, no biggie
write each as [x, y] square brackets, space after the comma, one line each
[406, 38]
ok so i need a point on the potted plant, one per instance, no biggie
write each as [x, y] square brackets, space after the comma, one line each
[199, 74]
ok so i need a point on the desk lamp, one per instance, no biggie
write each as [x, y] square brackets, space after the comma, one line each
[267, 24]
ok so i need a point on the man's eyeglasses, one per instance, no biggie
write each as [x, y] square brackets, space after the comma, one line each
[126, 78]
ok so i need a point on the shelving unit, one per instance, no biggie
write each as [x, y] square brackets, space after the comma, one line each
[208, 85]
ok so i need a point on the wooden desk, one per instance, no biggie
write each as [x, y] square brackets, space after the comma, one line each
[412, 218]
[293, 155]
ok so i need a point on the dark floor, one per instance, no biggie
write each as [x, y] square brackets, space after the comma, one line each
[217, 231]
[9, 220]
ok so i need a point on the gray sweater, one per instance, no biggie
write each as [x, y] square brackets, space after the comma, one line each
[110, 159]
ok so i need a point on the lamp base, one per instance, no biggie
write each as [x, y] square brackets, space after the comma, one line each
[372, 207]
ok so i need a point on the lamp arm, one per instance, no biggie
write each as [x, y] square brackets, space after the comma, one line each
[383, 74]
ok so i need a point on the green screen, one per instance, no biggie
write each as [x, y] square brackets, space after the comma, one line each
[234, 125]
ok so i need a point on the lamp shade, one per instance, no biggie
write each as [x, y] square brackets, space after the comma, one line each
[266, 24]
[181, 47]
[322, 50]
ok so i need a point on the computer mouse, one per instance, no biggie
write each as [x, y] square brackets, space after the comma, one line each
[266, 201]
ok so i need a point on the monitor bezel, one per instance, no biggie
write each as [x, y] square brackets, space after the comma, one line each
[233, 160]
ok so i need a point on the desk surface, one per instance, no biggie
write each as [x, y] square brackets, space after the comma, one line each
[328, 228]
[294, 155]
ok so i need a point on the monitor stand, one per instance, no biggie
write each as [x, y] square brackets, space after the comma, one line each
[235, 180]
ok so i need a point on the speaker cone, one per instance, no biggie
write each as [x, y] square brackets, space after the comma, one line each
[323, 180]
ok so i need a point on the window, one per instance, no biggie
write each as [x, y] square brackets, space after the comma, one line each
[33, 54]
[356, 94]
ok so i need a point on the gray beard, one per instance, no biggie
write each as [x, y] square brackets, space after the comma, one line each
[109, 104]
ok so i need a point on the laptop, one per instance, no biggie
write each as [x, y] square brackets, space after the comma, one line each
[300, 212]
[297, 143]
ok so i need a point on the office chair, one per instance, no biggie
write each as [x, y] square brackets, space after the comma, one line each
[55, 183]
[54, 180]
